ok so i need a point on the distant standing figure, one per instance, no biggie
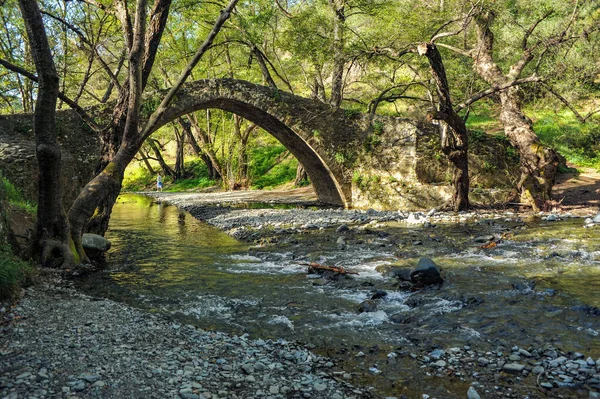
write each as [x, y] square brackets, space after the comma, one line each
[159, 182]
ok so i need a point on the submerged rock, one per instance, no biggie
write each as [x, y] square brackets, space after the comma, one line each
[370, 305]
[426, 273]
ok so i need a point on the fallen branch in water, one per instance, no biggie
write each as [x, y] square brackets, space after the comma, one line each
[322, 268]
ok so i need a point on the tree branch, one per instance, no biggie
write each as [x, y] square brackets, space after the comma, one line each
[92, 47]
[84, 115]
[563, 100]
[495, 89]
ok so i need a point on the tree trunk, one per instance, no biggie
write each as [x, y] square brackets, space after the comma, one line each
[213, 174]
[206, 144]
[339, 59]
[53, 241]
[179, 160]
[100, 193]
[454, 135]
[144, 157]
[167, 171]
[301, 175]
[539, 164]
[243, 163]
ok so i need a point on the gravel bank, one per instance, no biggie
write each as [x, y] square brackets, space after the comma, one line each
[58, 342]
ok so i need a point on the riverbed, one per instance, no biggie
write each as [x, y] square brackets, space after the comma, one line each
[527, 300]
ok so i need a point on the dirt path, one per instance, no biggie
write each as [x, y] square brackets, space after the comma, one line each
[578, 193]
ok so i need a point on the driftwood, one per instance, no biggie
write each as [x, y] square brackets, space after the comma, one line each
[316, 267]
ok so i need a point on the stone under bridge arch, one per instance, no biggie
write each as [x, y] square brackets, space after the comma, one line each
[312, 131]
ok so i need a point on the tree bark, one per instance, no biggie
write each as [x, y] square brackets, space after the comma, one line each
[539, 164]
[53, 240]
[454, 135]
[144, 157]
[301, 175]
[339, 60]
[180, 159]
[198, 150]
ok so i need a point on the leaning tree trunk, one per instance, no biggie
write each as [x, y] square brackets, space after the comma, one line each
[52, 231]
[454, 134]
[539, 164]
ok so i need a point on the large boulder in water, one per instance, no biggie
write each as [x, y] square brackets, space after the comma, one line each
[426, 273]
[95, 242]
[95, 245]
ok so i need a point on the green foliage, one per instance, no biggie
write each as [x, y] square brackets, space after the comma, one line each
[269, 167]
[149, 106]
[476, 135]
[371, 142]
[14, 197]
[14, 273]
[378, 128]
[262, 159]
[137, 178]
[351, 112]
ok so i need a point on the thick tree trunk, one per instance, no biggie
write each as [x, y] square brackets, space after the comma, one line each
[539, 164]
[99, 194]
[144, 157]
[112, 136]
[454, 134]
[52, 230]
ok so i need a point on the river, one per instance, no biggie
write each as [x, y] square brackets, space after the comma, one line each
[537, 289]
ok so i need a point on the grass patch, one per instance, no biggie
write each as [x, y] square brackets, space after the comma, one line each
[137, 178]
[267, 170]
[14, 197]
[189, 184]
[578, 142]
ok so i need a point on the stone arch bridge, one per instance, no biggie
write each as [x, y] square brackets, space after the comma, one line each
[352, 158]
[326, 141]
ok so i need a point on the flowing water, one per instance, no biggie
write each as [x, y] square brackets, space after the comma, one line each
[540, 285]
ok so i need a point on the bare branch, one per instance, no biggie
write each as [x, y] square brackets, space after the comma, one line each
[154, 118]
[563, 100]
[529, 31]
[283, 10]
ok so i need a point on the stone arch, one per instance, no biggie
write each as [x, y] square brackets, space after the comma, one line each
[283, 115]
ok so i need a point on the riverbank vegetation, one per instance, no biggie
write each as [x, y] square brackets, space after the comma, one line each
[14, 272]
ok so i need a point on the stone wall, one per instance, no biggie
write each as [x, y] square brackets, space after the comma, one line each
[80, 153]
[401, 166]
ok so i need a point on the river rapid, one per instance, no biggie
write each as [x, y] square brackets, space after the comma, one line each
[530, 299]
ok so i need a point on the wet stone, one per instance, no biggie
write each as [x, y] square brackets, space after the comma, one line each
[513, 367]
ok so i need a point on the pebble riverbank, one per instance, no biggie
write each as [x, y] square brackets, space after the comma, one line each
[59, 343]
